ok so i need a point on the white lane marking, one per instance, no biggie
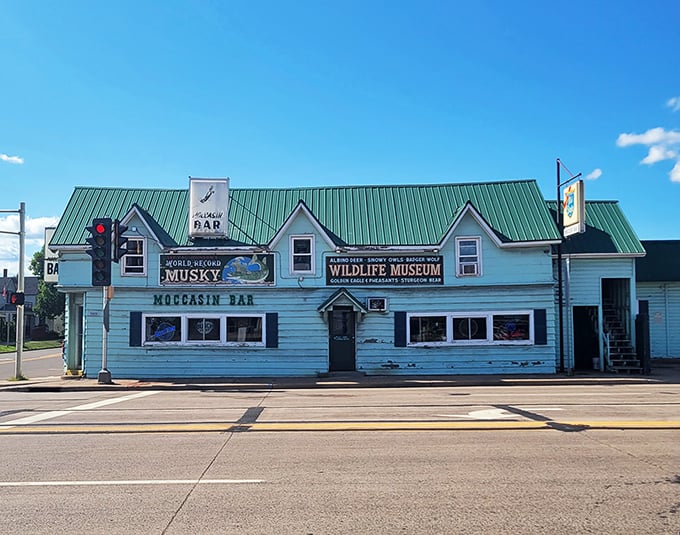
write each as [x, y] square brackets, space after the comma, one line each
[130, 482]
[88, 406]
[485, 414]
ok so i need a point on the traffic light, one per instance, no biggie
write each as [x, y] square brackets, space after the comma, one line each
[16, 298]
[100, 250]
[119, 241]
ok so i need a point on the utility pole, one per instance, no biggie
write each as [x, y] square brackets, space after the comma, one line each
[20, 285]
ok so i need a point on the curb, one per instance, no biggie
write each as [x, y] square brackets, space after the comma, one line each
[359, 381]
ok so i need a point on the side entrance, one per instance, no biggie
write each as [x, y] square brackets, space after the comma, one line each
[342, 339]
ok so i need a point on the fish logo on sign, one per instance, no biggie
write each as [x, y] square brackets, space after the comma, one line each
[570, 203]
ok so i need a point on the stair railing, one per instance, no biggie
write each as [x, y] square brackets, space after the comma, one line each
[607, 350]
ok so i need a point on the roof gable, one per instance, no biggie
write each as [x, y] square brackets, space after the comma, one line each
[301, 209]
[474, 213]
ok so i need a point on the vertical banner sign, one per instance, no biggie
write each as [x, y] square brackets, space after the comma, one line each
[574, 209]
[51, 266]
[208, 207]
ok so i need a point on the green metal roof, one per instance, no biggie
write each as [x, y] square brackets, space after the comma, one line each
[607, 231]
[352, 215]
[662, 262]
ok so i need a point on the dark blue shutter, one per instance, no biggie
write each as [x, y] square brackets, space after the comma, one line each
[400, 329]
[135, 329]
[540, 327]
[272, 321]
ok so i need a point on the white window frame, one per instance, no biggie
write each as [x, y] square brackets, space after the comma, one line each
[488, 315]
[311, 254]
[447, 320]
[184, 325]
[124, 260]
[461, 263]
[207, 316]
[261, 343]
[470, 315]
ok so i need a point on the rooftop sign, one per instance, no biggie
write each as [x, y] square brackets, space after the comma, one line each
[208, 207]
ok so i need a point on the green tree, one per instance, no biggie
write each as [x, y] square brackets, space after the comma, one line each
[49, 303]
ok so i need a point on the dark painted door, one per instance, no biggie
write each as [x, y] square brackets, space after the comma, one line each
[341, 346]
[586, 337]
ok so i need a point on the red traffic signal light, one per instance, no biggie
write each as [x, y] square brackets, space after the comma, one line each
[100, 250]
[16, 298]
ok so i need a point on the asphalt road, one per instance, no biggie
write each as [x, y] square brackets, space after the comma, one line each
[39, 363]
[553, 459]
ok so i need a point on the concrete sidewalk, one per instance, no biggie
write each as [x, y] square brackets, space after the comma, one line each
[664, 371]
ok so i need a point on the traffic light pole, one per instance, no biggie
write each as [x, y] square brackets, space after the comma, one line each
[107, 244]
[104, 376]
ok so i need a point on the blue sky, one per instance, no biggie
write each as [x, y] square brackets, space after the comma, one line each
[315, 93]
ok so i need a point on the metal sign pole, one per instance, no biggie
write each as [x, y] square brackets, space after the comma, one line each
[560, 284]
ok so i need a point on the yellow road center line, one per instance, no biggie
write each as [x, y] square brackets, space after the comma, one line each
[331, 426]
[13, 359]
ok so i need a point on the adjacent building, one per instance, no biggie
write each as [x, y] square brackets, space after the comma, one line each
[658, 289]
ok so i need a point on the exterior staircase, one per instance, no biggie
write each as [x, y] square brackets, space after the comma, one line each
[621, 356]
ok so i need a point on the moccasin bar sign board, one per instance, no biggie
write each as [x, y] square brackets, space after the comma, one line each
[208, 207]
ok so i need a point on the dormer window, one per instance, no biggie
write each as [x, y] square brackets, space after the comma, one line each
[134, 261]
[468, 257]
[302, 254]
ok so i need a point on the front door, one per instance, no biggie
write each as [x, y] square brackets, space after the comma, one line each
[341, 346]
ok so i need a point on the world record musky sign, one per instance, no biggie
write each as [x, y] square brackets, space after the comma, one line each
[384, 270]
[194, 269]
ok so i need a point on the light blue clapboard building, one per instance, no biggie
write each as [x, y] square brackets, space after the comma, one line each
[658, 290]
[421, 279]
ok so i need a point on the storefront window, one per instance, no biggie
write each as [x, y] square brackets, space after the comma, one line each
[427, 329]
[478, 328]
[469, 329]
[192, 329]
[511, 327]
[163, 329]
[203, 329]
[244, 329]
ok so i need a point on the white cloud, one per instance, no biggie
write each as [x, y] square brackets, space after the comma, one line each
[11, 159]
[675, 172]
[673, 103]
[663, 145]
[594, 175]
[9, 244]
[658, 153]
[653, 136]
